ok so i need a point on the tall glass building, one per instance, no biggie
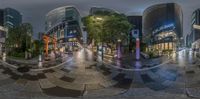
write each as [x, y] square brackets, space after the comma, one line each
[162, 27]
[65, 24]
[9, 18]
[136, 21]
[12, 18]
[195, 30]
[1, 17]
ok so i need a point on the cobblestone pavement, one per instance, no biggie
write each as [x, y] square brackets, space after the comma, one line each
[84, 78]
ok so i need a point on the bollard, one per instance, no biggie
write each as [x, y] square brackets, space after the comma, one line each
[40, 61]
[4, 56]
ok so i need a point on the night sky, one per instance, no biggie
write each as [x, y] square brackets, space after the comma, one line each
[34, 11]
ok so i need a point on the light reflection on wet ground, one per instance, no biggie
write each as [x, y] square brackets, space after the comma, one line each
[80, 58]
[168, 79]
[163, 78]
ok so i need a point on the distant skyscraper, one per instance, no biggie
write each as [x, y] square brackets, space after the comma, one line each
[12, 18]
[137, 22]
[195, 21]
[1, 17]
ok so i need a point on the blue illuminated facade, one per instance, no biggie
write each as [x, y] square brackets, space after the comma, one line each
[162, 27]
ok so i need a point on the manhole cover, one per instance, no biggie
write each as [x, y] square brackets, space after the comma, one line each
[23, 69]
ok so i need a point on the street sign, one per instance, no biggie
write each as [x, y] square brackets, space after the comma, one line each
[135, 33]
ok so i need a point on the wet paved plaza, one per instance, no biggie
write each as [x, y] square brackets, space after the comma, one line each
[82, 77]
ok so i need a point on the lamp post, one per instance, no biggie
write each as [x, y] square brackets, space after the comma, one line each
[100, 19]
[40, 55]
[119, 49]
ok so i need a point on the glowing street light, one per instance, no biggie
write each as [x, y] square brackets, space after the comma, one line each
[119, 40]
[196, 26]
[99, 18]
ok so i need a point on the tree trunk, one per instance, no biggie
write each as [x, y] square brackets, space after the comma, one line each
[26, 55]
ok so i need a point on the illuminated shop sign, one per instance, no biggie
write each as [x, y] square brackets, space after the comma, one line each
[135, 33]
[162, 28]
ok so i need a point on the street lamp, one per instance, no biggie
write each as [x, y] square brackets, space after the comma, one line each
[40, 52]
[99, 18]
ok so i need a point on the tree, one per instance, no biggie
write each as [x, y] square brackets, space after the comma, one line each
[117, 27]
[107, 27]
[94, 28]
[19, 39]
[37, 45]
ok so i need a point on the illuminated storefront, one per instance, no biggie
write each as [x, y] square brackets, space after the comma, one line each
[162, 26]
[164, 38]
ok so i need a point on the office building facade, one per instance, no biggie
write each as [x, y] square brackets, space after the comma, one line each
[195, 30]
[9, 18]
[64, 23]
[136, 21]
[162, 27]
[12, 18]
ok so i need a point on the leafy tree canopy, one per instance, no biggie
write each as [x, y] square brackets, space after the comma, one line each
[107, 27]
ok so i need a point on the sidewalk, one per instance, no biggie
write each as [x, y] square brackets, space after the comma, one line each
[26, 61]
[129, 62]
[33, 63]
[192, 73]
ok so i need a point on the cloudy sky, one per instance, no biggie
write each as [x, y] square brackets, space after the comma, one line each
[34, 11]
